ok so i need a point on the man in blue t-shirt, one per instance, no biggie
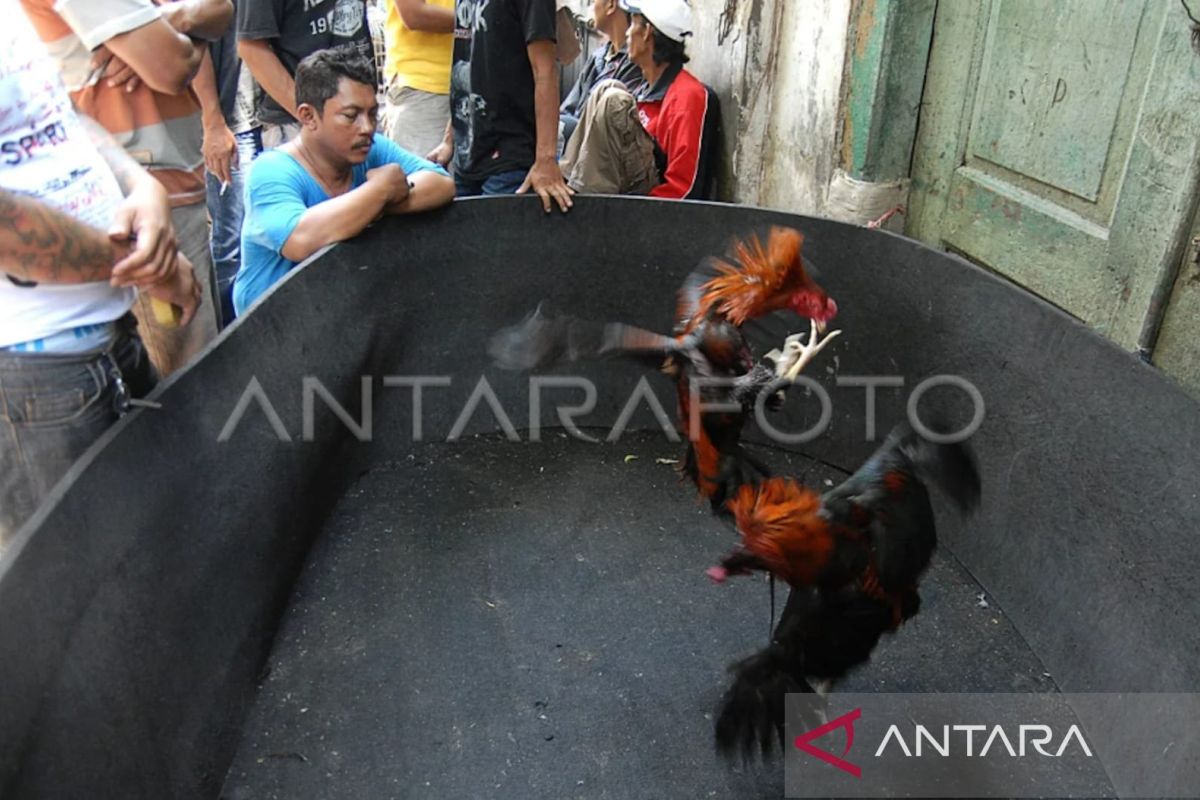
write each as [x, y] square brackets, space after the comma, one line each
[333, 180]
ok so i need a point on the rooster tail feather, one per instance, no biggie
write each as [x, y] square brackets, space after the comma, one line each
[751, 714]
[951, 466]
[542, 340]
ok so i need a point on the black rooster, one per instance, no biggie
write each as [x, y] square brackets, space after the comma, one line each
[853, 558]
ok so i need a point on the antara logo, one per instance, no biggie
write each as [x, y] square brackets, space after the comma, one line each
[1035, 735]
[1028, 739]
[804, 742]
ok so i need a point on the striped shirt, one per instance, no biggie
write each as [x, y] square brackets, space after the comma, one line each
[162, 132]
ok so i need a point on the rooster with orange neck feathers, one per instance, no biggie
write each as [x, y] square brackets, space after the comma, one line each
[708, 353]
[853, 557]
[714, 302]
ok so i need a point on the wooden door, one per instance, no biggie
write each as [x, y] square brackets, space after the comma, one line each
[1058, 145]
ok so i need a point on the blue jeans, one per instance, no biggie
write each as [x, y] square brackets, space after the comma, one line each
[226, 212]
[500, 183]
[52, 408]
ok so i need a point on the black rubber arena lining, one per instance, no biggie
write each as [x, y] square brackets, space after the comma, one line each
[278, 604]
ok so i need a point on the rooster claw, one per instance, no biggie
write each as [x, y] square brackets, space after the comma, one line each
[796, 354]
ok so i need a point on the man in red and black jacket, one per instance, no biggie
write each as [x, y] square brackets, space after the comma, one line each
[666, 131]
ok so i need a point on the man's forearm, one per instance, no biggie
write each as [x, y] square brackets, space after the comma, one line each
[200, 19]
[205, 86]
[429, 190]
[269, 71]
[40, 244]
[334, 220]
[165, 59]
[545, 99]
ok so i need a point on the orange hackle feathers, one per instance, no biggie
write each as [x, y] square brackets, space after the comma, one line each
[761, 278]
[780, 523]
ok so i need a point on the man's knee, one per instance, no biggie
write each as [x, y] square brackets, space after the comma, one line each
[611, 96]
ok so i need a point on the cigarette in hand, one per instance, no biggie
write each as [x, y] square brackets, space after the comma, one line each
[224, 188]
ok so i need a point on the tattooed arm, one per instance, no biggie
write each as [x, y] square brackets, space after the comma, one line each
[40, 244]
[143, 222]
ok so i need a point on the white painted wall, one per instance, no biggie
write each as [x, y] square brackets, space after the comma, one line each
[778, 66]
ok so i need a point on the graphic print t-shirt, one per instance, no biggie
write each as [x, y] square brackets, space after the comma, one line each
[45, 153]
[491, 83]
[297, 28]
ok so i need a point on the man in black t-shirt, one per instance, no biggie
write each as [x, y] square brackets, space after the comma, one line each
[503, 131]
[275, 35]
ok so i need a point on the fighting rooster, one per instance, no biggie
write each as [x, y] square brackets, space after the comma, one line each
[853, 558]
[707, 353]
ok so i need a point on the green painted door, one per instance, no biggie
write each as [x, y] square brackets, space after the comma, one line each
[1058, 145]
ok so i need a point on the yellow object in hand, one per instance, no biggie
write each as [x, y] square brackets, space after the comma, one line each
[166, 315]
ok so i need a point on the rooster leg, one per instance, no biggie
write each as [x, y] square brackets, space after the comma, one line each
[795, 356]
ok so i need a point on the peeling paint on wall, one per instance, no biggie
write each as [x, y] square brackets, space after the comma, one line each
[777, 67]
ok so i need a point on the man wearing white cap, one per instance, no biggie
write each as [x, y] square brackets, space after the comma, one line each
[657, 143]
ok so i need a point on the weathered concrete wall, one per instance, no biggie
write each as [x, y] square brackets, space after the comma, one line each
[777, 67]
[1178, 350]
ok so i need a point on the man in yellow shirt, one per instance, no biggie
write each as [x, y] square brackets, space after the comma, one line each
[420, 36]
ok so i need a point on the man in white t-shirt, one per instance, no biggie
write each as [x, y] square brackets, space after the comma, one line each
[82, 227]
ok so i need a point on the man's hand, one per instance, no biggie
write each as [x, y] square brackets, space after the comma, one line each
[144, 222]
[219, 148]
[392, 179]
[181, 289]
[441, 154]
[115, 72]
[547, 180]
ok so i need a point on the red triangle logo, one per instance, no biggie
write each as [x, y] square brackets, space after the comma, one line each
[804, 742]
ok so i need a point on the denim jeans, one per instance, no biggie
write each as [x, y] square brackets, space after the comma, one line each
[501, 183]
[51, 410]
[226, 210]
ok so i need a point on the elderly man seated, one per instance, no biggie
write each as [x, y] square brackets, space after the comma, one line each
[333, 180]
[659, 141]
